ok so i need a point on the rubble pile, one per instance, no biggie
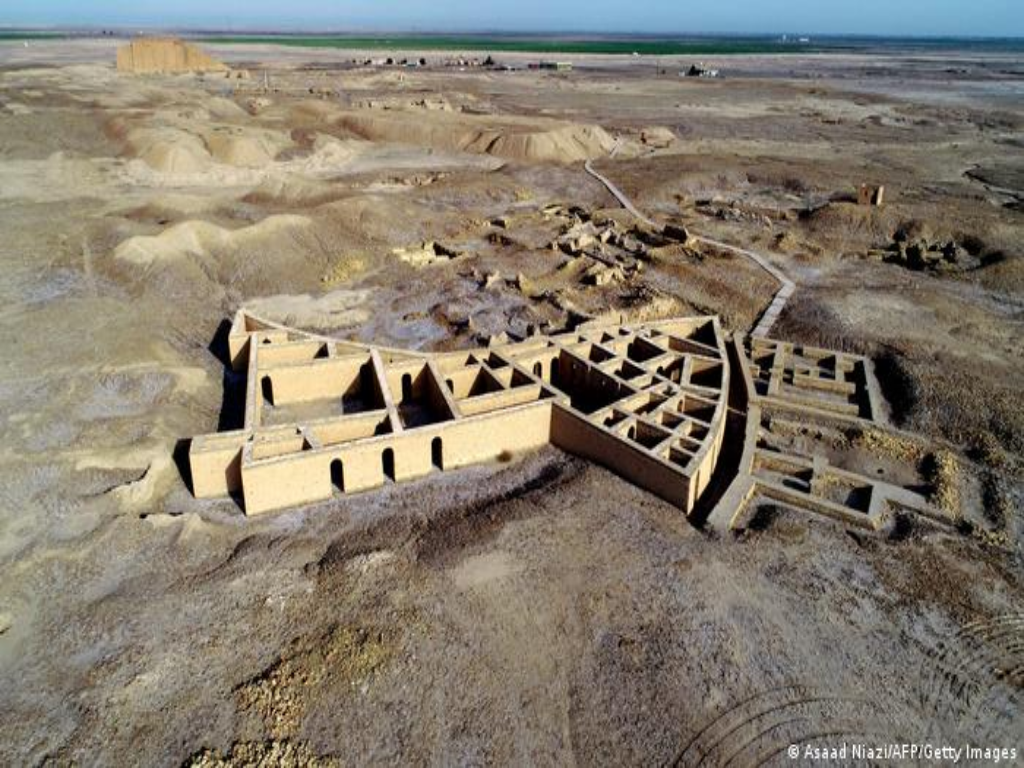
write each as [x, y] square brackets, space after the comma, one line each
[657, 137]
[427, 253]
[429, 103]
[734, 212]
[323, 92]
[619, 252]
[585, 235]
[919, 254]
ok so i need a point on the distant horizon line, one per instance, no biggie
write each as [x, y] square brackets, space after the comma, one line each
[553, 33]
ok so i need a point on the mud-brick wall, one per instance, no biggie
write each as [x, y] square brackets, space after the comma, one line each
[215, 464]
[578, 436]
[307, 476]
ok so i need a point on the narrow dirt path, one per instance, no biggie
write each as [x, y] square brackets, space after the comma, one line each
[618, 194]
[786, 286]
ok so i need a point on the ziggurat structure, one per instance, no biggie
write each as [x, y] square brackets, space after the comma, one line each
[652, 402]
[164, 55]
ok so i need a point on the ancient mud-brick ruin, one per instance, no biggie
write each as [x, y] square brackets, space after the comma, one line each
[159, 55]
[868, 194]
[646, 401]
[650, 402]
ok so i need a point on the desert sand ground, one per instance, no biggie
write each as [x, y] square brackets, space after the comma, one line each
[541, 610]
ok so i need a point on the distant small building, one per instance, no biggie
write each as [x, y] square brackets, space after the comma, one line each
[699, 70]
[870, 195]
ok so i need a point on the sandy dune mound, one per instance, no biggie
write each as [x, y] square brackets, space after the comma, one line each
[240, 150]
[530, 141]
[222, 108]
[169, 150]
[331, 152]
[568, 144]
[174, 158]
[203, 238]
[298, 181]
[177, 151]
[165, 55]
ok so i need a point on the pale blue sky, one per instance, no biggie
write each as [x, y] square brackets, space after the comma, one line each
[888, 17]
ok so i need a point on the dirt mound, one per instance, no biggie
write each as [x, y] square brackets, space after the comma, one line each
[1005, 275]
[292, 189]
[850, 225]
[331, 153]
[164, 56]
[177, 151]
[203, 238]
[378, 218]
[530, 141]
[657, 137]
[221, 108]
[169, 150]
[233, 147]
[569, 144]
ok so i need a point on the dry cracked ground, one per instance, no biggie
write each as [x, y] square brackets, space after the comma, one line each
[539, 610]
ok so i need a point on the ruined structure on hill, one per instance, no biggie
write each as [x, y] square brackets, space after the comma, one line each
[160, 55]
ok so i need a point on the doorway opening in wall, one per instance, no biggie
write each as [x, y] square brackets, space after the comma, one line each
[407, 386]
[387, 460]
[268, 390]
[337, 476]
[437, 453]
